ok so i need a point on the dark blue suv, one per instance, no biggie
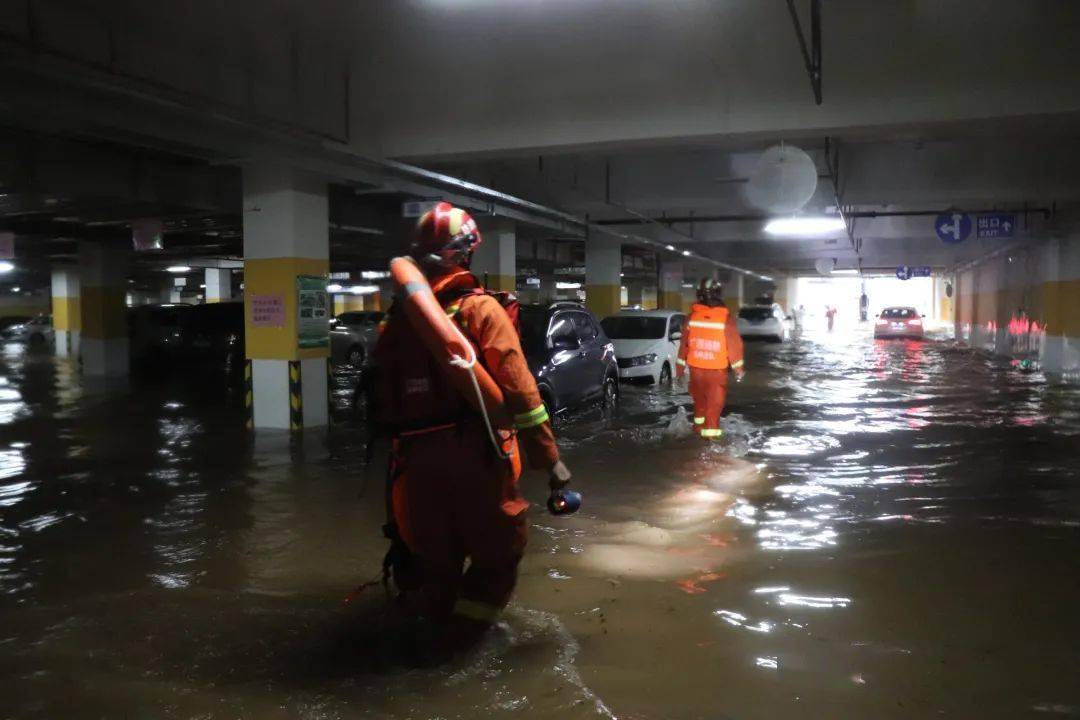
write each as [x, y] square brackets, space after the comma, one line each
[571, 358]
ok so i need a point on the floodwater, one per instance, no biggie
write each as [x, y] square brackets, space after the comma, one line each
[889, 530]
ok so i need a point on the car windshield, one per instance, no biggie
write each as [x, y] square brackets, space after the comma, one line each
[756, 313]
[898, 313]
[628, 327]
[534, 325]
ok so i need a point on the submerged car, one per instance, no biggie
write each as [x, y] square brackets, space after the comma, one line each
[763, 321]
[353, 336]
[899, 322]
[570, 356]
[35, 332]
[646, 343]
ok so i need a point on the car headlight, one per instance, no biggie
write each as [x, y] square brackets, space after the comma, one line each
[643, 360]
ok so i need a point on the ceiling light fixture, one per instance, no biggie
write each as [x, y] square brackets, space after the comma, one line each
[333, 288]
[802, 226]
[686, 253]
[846, 271]
[670, 247]
[6, 267]
[178, 269]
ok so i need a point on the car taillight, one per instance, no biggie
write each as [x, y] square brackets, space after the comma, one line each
[914, 321]
[882, 322]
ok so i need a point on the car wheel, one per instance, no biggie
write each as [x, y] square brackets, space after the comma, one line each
[355, 356]
[665, 375]
[610, 394]
[549, 405]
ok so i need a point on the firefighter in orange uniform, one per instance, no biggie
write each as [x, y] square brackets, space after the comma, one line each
[710, 345]
[452, 496]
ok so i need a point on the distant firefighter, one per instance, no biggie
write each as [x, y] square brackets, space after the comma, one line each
[710, 345]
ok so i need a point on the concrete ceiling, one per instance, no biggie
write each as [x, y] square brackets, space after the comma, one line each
[592, 107]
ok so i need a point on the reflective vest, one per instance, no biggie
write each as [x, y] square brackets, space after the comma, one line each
[706, 345]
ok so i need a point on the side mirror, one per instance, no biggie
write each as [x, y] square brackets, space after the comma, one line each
[675, 336]
[565, 342]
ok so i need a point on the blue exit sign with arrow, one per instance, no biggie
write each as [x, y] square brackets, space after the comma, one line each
[995, 225]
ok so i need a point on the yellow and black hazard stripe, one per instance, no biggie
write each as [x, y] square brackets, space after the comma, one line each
[249, 398]
[296, 397]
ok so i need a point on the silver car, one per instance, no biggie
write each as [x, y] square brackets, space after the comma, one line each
[353, 336]
[35, 332]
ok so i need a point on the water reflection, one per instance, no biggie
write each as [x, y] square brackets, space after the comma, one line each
[874, 509]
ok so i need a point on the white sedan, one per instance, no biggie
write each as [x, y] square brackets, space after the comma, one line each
[646, 343]
[763, 321]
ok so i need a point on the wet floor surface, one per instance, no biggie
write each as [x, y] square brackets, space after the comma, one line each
[888, 530]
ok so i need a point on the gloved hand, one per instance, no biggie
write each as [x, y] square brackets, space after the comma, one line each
[739, 375]
[559, 476]
[680, 371]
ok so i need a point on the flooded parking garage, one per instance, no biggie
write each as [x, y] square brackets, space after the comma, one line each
[888, 530]
[219, 226]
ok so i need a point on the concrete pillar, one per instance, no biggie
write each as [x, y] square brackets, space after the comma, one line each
[603, 263]
[218, 285]
[671, 281]
[1060, 298]
[733, 291]
[495, 261]
[286, 242]
[347, 302]
[548, 293]
[66, 310]
[103, 339]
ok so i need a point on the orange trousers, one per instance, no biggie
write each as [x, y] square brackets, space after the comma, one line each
[454, 500]
[708, 389]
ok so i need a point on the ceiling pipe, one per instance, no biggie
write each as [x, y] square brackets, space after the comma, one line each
[686, 219]
[811, 55]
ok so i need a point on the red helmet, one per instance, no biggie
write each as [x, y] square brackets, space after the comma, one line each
[445, 236]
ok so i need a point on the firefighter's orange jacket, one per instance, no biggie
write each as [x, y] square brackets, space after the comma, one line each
[486, 324]
[732, 341]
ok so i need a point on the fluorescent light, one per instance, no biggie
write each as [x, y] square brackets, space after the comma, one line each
[374, 274]
[670, 247]
[686, 253]
[364, 289]
[567, 286]
[16, 289]
[6, 267]
[796, 226]
[333, 288]
[178, 269]
[846, 271]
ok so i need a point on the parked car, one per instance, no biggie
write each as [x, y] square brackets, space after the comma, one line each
[154, 335]
[353, 336]
[11, 320]
[189, 337]
[899, 322]
[35, 332]
[570, 356]
[646, 343]
[212, 338]
[763, 321]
